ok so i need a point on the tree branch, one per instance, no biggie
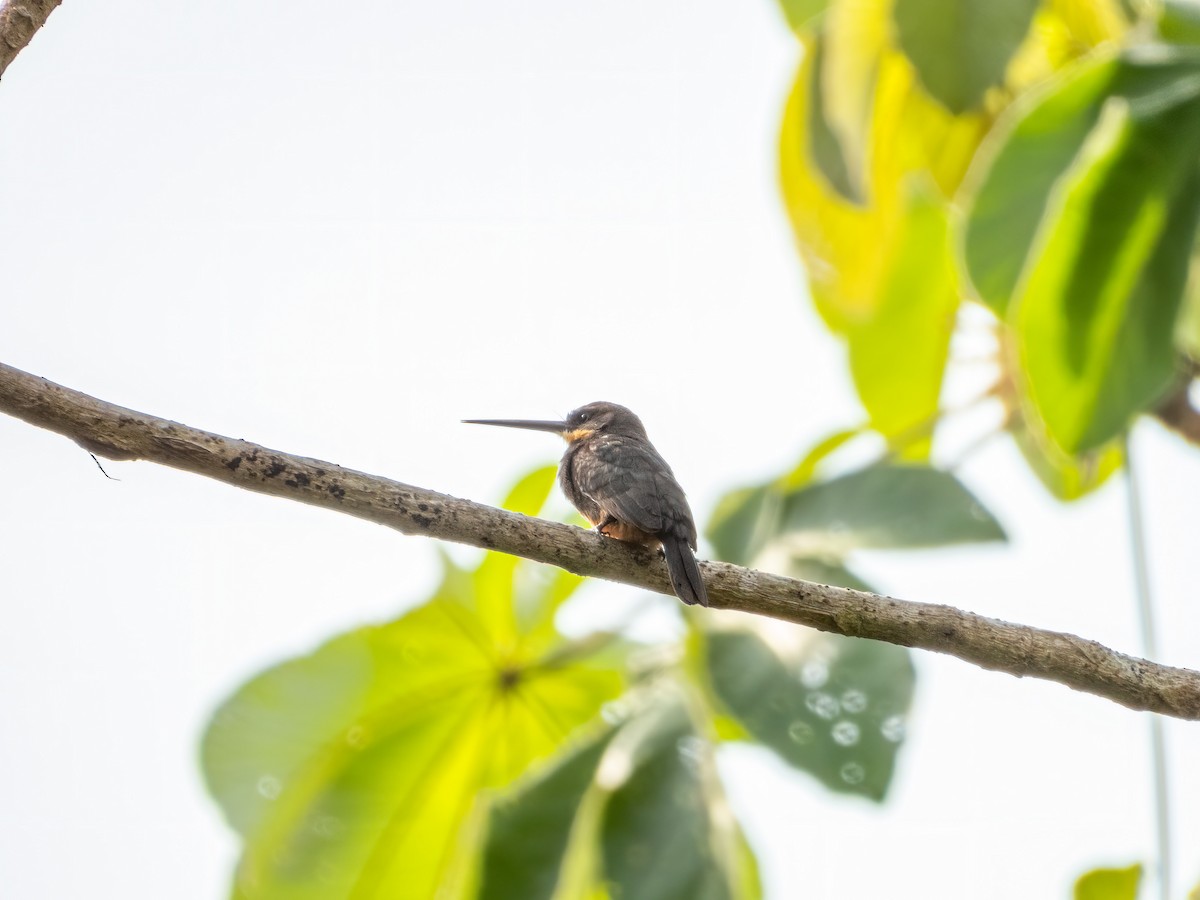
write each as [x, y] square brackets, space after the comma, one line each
[19, 21]
[122, 434]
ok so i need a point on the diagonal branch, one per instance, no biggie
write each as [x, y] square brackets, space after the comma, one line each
[19, 21]
[122, 434]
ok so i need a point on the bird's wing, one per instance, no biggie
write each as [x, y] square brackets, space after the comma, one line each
[630, 481]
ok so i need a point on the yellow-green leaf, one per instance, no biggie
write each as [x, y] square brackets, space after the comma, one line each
[1096, 311]
[361, 770]
[824, 143]
[1109, 884]
[1010, 183]
[1068, 477]
[898, 355]
[961, 48]
[493, 589]
[886, 129]
[1012, 180]
[801, 13]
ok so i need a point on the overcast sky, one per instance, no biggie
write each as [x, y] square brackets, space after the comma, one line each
[339, 230]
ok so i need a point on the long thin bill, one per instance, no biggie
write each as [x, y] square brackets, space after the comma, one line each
[530, 424]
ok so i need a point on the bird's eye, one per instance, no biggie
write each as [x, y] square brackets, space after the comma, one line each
[581, 418]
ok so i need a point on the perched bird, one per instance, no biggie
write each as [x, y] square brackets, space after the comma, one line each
[619, 482]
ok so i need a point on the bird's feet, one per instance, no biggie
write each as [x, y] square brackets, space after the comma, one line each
[604, 524]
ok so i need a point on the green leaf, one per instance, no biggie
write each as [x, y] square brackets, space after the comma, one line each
[539, 593]
[801, 13]
[880, 507]
[635, 807]
[747, 518]
[529, 495]
[806, 469]
[898, 355]
[666, 831]
[832, 706]
[887, 131]
[1179, 21]
[824, 572]
[823, 142]
[1187, 336]
[960, 48]
[743, 521]
[530, 830]
[748, 882]
[1087, 220]
[318, 790]
[493, 589]
[885, 507]
[1007, 192]
[1109, 884]
[357, 771]
[1096, 312]
[1068, 477]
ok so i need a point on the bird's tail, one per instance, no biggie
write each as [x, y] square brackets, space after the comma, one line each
[685, 573]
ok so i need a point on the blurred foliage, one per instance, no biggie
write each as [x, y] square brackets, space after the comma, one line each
[1109, 884]
[1036, 158]
[470, 750]
[961, 48]
[354, 771]
[1080, 234]
[879, 507]
[829, 705]
[1115, 884]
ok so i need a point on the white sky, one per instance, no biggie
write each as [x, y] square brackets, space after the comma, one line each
[339, 230]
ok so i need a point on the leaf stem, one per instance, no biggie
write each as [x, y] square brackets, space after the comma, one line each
[918, 431]
[1145, 605]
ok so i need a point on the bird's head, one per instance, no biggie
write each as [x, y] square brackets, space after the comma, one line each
[580, 424]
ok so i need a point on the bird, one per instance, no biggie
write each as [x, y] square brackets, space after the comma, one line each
[613, 475]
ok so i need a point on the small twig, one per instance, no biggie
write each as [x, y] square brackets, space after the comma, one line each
[1178, 413]
[118, 433]
[976, 444]
[919, 431]
[101, 468]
